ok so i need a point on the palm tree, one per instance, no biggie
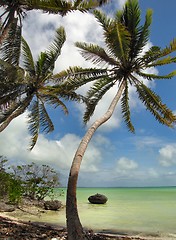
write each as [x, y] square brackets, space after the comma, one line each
[31, 87]
[125, 64]
[16, 10]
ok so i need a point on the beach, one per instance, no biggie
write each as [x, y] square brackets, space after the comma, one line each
[14, 228]
[134, 213]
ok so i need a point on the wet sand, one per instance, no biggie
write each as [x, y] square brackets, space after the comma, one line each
[14, 228]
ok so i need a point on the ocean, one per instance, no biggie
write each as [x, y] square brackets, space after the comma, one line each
[149, 210]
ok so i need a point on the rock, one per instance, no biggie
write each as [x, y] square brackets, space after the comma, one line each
[52, 205]
[6, 207]
[98, 199]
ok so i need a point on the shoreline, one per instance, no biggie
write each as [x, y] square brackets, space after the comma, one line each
[9, 224]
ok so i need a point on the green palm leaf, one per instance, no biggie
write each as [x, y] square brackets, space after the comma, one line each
[154, 104]
[143, 34]
[126, 109]
[52, 99]
[14, 111]
[164, 61]
[10, 49]
[74, 77]
[118, 41]
[28, 61]
[171, 48]
[154, 76]
[54, 50]
[34, 122]
[95, 94]
[95, 53]
[103, 20]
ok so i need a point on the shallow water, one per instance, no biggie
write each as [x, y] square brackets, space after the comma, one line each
[128, 209]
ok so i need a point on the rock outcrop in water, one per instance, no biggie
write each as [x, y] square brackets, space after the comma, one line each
[98, 199]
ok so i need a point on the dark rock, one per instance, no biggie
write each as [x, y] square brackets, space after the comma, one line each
[6, 207]
[98, 199]
[52, 205]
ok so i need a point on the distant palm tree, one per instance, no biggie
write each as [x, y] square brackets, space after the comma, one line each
[16, 9]
[126, 63]
[31, 86]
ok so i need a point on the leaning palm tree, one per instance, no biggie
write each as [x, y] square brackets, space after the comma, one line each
[31, 86]
[16, 10]
[126, 63]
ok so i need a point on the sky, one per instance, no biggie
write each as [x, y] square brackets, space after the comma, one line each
[115, 157]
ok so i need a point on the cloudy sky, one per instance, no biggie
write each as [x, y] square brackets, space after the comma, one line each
[114, 157]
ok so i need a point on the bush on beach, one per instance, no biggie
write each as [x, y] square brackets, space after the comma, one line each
[26, 181]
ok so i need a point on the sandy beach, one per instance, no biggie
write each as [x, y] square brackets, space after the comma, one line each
[14, 228]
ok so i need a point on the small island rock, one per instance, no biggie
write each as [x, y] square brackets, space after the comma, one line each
[52, 205]
[98, 199]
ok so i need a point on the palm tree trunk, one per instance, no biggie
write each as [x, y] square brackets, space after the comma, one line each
[74, 227]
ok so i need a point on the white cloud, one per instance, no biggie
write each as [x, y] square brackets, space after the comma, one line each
[147, 141]
[39, 28]
[125, 167]
[14, 142]
[152, 173]
[167, 155]
[121, 3]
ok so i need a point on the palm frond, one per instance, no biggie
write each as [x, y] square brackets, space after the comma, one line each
[103, 20]
[99, 85]
[155, 53]
[41, 66]
[74, 77]
[95, 54]
[15, 111]
[118, 41]
[63, 7]
[46, 124]
[130, 17]
[10, 49]
[84, 5]
[50, 6]
[47, 59]
[53, 100]
[126, 109]
[8, 109]
[164, 61]
[169, 49]
[94, 95]
[143, 33]
[154, 104]
[151, 55]
[11, 77]
[54, 49]
[28, 60]
[34, 122]
[154, 76]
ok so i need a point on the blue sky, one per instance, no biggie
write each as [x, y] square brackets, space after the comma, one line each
[114, 157]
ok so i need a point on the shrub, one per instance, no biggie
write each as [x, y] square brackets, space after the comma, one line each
[38, 181]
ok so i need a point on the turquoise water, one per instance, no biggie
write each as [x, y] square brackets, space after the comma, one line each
[128, 209]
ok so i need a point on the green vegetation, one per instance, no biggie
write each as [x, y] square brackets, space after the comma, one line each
[10, 187]
[31, 181]
[34, 86]
[37, 181]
